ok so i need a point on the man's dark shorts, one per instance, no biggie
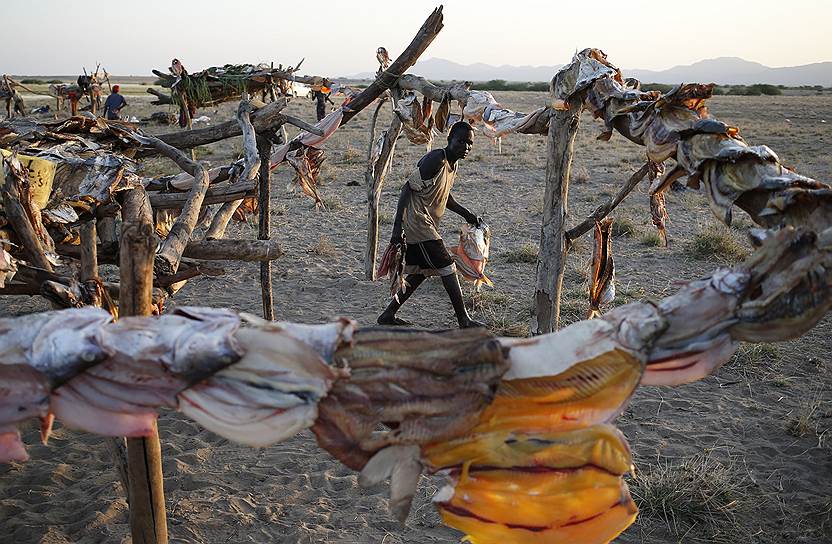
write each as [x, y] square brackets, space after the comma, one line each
[429, 258]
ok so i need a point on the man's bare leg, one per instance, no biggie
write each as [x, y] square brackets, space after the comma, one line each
[451, 284]
[388, 317]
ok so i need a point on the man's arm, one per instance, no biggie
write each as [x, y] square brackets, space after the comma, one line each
[461, 210]
[404, 200]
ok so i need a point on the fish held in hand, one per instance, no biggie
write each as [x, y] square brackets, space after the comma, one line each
[471, 254]
[392, 266]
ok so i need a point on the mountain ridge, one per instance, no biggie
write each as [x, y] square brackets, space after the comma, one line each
[721, 70]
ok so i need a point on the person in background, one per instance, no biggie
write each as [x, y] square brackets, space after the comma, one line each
[114, 104]
[321, 97]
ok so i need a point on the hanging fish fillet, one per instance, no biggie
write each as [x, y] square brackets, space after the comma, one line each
[658, 211]
[508, 486]
[602, 283]
[256, 385]
[307, 162]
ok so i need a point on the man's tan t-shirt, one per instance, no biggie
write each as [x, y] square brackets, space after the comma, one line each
[427, 204]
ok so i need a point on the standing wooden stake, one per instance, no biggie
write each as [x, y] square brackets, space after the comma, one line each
[170, 252]
[148, 523]
[89, 252]
[252, 165]
[17, 216]
[89, 271]
[551, 261]
[264, 147]
[374, 177]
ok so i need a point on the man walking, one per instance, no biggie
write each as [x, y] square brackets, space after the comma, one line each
[422, 204]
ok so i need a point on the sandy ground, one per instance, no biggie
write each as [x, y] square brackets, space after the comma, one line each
[743, 456]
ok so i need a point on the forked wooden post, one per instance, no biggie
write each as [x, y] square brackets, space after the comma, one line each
[89, 271]
[551, 261]
[264, 148]
[148, 523]
[374, 178]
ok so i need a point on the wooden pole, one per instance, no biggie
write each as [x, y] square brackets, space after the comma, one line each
[89, 251]
[551, 260]
[607, 207]
[148, 523]
[375, 175]
[264, 147]
[250, 171]
[170, 252]
[89, 270]
[17, 216]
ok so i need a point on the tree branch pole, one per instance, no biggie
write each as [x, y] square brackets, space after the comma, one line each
[89, 271]
[19, 219]
[424, 37]
[607, 207]
[170, 252]
[234, 250]
[214, 195]
[265, 118]
[374, 178]
[551, 260]
[264, 147]
[89, 252]
[148, 523]
[252, 165]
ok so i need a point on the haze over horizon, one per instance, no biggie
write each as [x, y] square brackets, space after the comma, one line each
[342, 41]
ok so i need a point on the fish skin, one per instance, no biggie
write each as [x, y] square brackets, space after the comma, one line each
[57, 344]
[601, 445]
[402, 466]
[589, 392]
[692, 366]
[602, 284]
[75, 412]
[11, 447]
[599, 529]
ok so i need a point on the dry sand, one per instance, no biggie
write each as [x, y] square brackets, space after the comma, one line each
[756, 436]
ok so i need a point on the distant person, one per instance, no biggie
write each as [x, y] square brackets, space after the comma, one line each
[321, 97]
[114, 104]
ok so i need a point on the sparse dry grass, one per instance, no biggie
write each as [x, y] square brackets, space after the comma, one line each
[352, 155]
[696, 496]
[385, 218]
[805, 420]
[756, 362]
[580, 175]
[715, 243]
[651, 238]
[323, 247]
[624, 226]
[332, 202]
[502, 313]
[527, 253]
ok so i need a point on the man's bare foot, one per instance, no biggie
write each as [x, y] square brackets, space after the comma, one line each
[386, 319]
[471, 324]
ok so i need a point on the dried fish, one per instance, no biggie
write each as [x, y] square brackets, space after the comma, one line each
[392, 266]
[602, 283]
[471, 254]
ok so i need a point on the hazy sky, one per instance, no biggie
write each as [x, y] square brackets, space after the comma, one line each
[57, 37]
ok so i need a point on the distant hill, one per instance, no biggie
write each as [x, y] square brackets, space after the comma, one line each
[723, 70]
